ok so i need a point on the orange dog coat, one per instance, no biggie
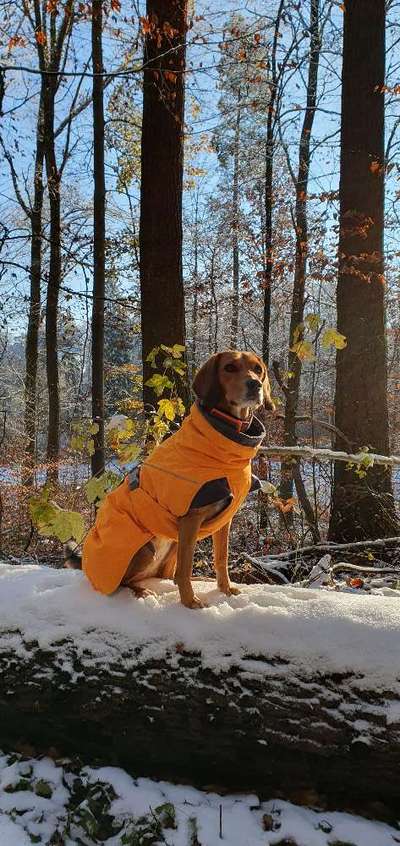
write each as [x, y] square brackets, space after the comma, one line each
[203, 450]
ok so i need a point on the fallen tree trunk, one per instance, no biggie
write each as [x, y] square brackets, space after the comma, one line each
[278, 690]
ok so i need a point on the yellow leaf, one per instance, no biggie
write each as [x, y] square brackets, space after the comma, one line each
[303, 350]
[333, 338]
[166, 409]
[313, 321]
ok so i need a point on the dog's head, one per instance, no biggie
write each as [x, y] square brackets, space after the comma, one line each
[234, 380]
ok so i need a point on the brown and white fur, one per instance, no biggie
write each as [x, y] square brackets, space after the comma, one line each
[235, 383]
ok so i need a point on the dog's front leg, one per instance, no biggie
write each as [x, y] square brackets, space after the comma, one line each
[221, 546]
[187, 536]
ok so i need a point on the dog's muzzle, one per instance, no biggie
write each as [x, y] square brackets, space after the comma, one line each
[254, 389]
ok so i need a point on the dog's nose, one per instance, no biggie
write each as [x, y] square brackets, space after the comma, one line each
[253, 384]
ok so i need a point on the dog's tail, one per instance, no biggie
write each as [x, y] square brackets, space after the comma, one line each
[72, 556]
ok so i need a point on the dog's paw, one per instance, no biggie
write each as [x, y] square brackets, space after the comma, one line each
[142, 593]
[229, 590]
[194, 602]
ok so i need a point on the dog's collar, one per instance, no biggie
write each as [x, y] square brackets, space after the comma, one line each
[238, 425]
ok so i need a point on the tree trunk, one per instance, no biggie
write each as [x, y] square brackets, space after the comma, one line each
[362, 507]
[97, 460]
[235, 231]
[261, 722]
[268, 192]
[301, 229]
[2, 90]
[161, 280]
[195, 286]
[54, 278]
[32, 335]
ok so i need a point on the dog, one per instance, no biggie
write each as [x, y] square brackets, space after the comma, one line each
[189, 487]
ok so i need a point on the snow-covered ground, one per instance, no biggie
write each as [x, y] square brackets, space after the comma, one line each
[60, 804]
[314, 630]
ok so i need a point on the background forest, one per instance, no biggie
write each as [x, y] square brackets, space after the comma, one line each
[179, 178]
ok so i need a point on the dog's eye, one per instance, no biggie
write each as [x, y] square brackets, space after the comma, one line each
[230, 368]
[258, 368]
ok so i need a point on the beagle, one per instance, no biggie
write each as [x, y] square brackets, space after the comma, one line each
[188, 488]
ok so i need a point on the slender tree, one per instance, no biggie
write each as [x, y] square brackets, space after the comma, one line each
[99, 195]
[32, 208]
[301, 179]
[362, 507]
[51, 40]
[272, 114]
[235, 226]
[244, 90]
[32, 335]
[161, 280]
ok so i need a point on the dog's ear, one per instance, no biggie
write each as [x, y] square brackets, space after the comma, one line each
[268, 401]
[206, 384]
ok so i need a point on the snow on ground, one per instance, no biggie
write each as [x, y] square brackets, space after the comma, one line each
[59, 803]
[313, 629]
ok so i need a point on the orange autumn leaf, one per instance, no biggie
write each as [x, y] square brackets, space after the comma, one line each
[52, 6]
[40, 37]
[169, 30]
[146, 25]
[16, 41]
[170, 76]
[358, 583]
[374, 167]
[284, 505]
[116, 5]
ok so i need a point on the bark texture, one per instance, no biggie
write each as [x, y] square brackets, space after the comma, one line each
[362, 507]
[32, 334]
[161, 280]
[243, 729]
[297, 310]
[273, 108]
[99, 198]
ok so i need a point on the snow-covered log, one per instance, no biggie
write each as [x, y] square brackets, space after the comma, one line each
[279, 690]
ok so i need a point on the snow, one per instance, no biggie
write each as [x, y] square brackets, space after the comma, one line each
[316, 631]
[26, 817]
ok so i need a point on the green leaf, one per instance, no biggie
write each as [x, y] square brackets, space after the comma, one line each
[53, 521]
[153, 355]
[77, 443]
[297, 333]
[129, 453]
[268, 488]
[159, 383]
[166, 815]
[18, 786]
[42, 788]
[177, 350]
[97, 487]
[68, 525]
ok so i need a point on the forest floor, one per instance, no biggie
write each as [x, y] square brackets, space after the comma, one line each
[64, 803]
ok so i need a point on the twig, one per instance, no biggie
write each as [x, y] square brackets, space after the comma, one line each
[322, 424]
[330, 455]
[374, 571]
[327, 547]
